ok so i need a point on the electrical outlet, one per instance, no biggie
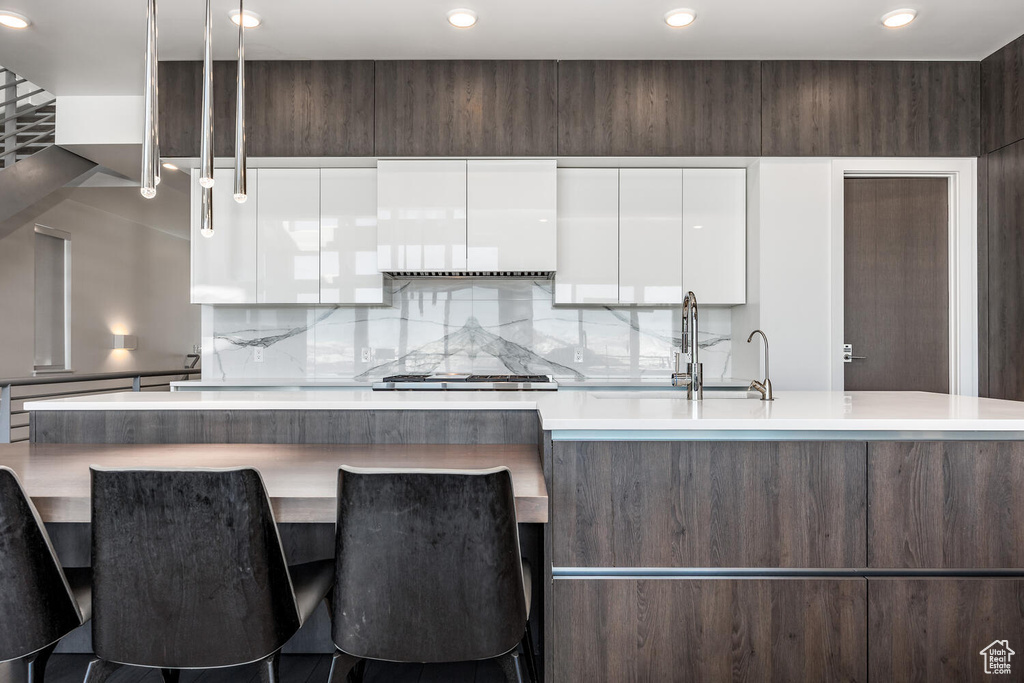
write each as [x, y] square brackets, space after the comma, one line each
[367, 355]
[578, 355]
[257, 354]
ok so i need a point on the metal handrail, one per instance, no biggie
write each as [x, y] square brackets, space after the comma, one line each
[18, 131]
[15, 84]
[8, 385]
[29, 143]
[22, 97]
[30, 110]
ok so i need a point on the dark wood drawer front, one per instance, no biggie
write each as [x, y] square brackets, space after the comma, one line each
[754, 631]
[946, 505]
[466, 108]
[709, 504]
[935, 629]
[659, 108]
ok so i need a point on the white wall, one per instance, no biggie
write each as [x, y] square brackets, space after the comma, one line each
[789, 268]
[125, 277]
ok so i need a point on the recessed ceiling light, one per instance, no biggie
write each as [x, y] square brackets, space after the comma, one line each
[462, 18]
[899, 18]
[13, 19]
[169, 166]
[678, 18]
[252, 20]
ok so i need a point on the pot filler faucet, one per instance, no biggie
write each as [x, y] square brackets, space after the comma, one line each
[691, 373]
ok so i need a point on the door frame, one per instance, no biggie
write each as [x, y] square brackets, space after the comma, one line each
[962, 175]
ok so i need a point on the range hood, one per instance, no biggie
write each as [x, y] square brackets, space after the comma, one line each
[503, 274]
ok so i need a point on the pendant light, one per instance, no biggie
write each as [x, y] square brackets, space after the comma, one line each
[206, 146]
[206, 212]
[150, 151]
[240, 179]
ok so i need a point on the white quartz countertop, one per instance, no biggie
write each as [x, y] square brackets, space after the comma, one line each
[603, 411]
[600, 383]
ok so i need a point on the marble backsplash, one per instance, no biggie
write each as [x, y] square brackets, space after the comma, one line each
[482, 326]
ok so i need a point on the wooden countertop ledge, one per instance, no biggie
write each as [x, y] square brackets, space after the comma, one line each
[302, 480]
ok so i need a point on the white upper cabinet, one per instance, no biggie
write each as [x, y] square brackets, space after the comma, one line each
[348, 238]
[651, 236]
[421, 216]
[588, 236]
[715, 234]
[288, 236]
[224, 266]
[512, 214]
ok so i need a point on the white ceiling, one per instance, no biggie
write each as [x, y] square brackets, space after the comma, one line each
[96, 46]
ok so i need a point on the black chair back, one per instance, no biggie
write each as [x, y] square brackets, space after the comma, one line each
[428, 565]
[36, 606]
[180, 559]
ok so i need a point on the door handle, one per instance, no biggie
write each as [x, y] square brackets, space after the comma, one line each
[848, 356]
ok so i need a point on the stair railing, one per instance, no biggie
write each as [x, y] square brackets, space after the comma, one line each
[24, 127]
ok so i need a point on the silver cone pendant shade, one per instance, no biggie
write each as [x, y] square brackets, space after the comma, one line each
[206, 146]
[240, 179]
[206, 212]
[150, 141]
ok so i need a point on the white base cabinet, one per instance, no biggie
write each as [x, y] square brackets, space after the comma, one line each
[348, 238]
[224, 265]
[588, 236]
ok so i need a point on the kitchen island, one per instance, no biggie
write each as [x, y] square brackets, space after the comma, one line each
[823, 536]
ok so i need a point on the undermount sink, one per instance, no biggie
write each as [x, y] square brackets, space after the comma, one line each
[675, 394]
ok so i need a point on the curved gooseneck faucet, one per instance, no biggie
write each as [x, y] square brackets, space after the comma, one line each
[764, 387]
[693, 376]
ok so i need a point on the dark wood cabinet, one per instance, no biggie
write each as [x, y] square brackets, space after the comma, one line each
[934, 629]
[752, 630]
[293, 108]
[1006, 272]
[1002, 96]
[709, 504]
[465, 108]
[818, 108]
[659, 108]
[946, 505]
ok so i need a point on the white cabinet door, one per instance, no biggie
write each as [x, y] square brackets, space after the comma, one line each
[421, 216]
[348, 238]
[288, 237]
[651, 236]
[715, 234]
[512, 213]
[224, 266]
[588, 236]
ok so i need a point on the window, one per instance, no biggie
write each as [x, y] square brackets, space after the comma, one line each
[52, 300]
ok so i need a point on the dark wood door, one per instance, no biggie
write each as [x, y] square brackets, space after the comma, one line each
[751, 630]
[708, 504]
[897, 283]
[934, 629]
[946, 505]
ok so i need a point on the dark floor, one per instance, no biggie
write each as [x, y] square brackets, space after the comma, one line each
[294, 669]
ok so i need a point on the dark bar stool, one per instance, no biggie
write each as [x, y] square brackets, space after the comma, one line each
[39, 602]
[429, 570]
[189, 573]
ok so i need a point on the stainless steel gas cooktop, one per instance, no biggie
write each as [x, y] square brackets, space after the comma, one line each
[464, 382]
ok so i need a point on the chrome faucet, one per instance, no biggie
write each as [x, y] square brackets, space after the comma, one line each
[691, 373]
[764, 387]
